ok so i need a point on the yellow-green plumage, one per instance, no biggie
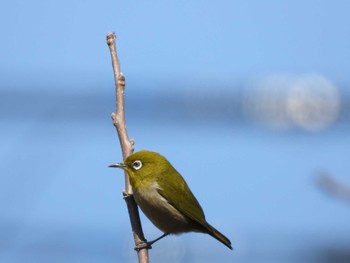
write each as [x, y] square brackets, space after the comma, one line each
[164, 196]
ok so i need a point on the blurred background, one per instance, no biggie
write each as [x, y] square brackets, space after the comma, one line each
[248, 100]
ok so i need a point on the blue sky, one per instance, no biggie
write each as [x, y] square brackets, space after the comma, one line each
[64, 41]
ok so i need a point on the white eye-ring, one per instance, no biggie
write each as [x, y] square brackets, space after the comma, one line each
[137, 165]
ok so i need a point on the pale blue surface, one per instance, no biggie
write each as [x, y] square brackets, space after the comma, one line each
[59, 199]
[60, 203]
[161, 41]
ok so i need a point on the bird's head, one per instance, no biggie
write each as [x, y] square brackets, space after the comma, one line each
[145, 166]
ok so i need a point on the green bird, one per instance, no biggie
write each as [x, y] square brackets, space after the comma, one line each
[164, 196]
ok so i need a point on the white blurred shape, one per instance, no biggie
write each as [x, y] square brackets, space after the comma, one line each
[313, 102]
[282, 101]
[265, 101]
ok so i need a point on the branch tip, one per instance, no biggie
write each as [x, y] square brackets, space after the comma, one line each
[110, 38]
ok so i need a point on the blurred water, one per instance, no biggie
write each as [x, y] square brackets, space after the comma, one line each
[60, 203]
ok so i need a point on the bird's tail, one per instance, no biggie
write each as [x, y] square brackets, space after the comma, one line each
[217, 235]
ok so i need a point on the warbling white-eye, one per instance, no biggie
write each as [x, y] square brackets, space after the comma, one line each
[164, 196]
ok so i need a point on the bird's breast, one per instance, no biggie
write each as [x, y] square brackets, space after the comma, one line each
[162, 214]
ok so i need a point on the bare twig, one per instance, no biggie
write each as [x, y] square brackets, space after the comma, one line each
[332, 186]
[127, 146]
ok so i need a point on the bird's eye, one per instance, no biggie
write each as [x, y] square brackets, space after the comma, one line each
[137, 165]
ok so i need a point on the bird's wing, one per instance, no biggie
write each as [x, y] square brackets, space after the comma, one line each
[179, 195]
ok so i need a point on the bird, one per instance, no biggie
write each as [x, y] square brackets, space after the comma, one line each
[164, 196]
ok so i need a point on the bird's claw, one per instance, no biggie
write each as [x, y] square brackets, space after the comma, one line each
[142, 245]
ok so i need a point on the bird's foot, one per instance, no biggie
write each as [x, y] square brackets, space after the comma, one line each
[148, 245]
[143, 245]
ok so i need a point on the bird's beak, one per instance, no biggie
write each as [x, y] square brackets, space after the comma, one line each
[118, 165]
